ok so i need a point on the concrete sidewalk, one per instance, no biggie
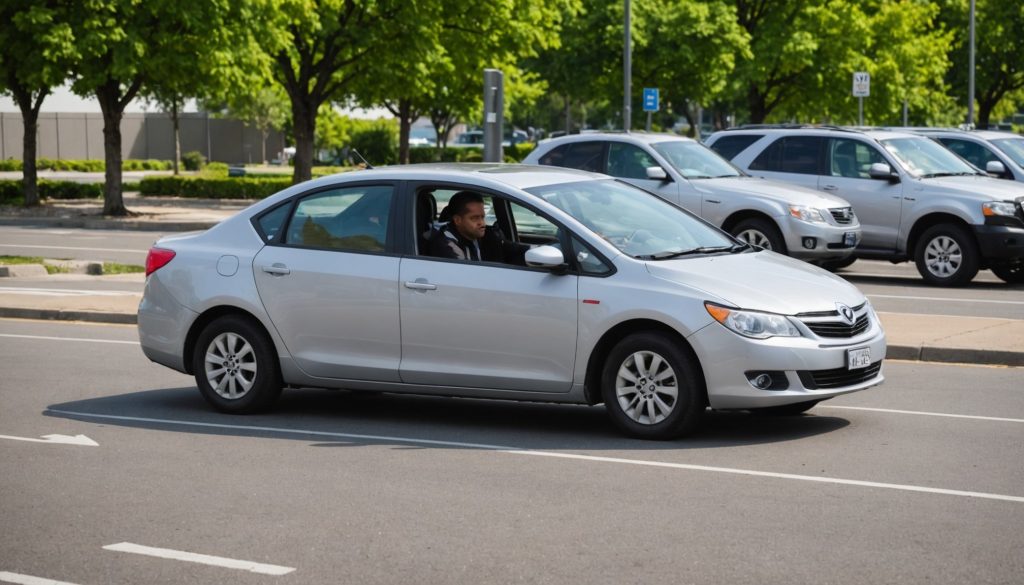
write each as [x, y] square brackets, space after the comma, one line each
[974, 340]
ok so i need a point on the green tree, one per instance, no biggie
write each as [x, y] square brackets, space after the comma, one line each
[36, 50]
[264, 109]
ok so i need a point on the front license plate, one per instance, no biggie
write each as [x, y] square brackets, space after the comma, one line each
[850, 239]
[858, 358]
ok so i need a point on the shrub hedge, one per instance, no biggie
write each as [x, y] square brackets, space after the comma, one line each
[86, 166]
[251, 187]
[11, 191]
[513, 154]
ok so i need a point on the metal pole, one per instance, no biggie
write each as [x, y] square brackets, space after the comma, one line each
[494, 110]
[627, 75]
[970, 74]
[860, 111]
[905, 112]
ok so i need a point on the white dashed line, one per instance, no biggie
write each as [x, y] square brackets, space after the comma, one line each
[29, 579]
[47, 338]
[945, 299]
[74, 248]
[923, 413]
[178, 555]
[66, 292]
[578, 457]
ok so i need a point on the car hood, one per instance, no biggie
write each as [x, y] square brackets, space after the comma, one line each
[763, 281]
[981, 188]
[768, 189]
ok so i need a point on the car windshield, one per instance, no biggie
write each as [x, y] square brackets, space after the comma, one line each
[634, 221]
[694, 160]
[925, 158]
[1013, 148]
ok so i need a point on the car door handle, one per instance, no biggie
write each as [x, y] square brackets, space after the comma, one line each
[420, 285]
[712, 201]
[277, 269]
[910, 198]
[829, 188]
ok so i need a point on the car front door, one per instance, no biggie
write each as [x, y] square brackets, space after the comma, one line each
[877, 202]
[331, 285]
[488, 325]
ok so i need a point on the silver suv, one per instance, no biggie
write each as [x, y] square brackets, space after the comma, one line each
[1000, 154]
[916, 200]
[802, 223]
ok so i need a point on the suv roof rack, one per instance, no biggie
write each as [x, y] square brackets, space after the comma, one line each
[790, 126]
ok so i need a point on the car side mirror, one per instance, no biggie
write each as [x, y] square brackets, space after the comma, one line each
[995, 168]
[548, 257]
[657, 174]
[883, 172]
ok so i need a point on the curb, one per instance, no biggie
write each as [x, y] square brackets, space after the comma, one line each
[109, 224]
[62, 315]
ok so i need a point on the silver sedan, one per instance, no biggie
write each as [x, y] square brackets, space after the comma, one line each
[584, 289]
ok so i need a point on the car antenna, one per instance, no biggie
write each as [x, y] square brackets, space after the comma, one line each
[368, 165]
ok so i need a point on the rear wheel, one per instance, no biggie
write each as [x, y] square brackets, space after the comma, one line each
[652, 388]
[947, 255]
[760, 232]
[235, 366]
[1011, 274]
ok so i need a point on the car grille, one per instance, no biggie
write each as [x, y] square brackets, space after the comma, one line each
[827, 324]
[842, 215]
[837, 378]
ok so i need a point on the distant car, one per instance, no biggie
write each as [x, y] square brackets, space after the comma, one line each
[802, 223]
[1000, 154]
[476, 138]
[421, 136]
[619, 297]
[916, 200]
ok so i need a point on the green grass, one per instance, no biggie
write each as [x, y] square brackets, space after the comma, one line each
[9, 260]
[108, 267]
[117, 268]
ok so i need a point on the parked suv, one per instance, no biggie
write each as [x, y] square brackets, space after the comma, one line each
[1000, 154]
[803, 223]
[916, 200]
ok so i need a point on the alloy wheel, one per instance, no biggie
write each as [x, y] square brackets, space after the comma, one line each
[755, 238]
[230, 365]
[943, 256]
[646, 387]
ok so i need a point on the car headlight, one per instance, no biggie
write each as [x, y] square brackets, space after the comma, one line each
[753, 324]
[808, 214]
[1004, 208]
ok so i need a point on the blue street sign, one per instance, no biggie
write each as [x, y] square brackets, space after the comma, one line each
[650, 99]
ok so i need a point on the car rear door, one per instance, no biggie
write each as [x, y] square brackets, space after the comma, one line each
[331, 285]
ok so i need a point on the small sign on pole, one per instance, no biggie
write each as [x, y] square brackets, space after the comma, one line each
[650, 103]
[861, 90]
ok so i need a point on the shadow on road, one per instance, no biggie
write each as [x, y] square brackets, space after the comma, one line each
[911, 281]
[341, 418]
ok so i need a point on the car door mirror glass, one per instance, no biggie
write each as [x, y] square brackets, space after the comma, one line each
[545, 257]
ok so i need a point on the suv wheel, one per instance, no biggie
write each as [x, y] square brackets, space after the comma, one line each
[1013, 274]
[760, 232]
[947, 255]
[236, 366]
[651, 387]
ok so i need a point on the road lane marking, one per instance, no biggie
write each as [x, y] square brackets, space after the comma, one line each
[73, 248]
[178, 555]
[48, 338]
[579, 457]
[924, 413]
[945, 299]
[66, 292]
[56, 440]
[29, 579]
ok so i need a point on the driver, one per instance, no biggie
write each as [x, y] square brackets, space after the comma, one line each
[467, 236]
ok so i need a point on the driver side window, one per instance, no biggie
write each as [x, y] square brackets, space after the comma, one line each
[628, 162]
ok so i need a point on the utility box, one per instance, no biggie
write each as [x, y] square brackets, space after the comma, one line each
[494, 110]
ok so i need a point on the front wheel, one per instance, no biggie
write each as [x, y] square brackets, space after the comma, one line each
[947, 255]
[652, 388]
[1011, 274]
[236, 367]
[760, 232]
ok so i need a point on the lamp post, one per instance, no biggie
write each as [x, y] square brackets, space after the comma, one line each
[970, 73]
[627, 74]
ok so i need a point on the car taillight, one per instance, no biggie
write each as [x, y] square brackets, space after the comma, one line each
[157, 259]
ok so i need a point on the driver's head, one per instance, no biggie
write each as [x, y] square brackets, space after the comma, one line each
[467, 209]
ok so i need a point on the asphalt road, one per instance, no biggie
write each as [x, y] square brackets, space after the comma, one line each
[916, 481]
[126, 247]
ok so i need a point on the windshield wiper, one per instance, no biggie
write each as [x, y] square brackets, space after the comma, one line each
[961, 174]
[691, 252]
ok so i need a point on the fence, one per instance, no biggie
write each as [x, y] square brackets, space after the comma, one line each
[143, 136]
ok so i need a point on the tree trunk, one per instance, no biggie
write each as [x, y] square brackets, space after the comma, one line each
[304, 118]
[30, 176]
[108, 95]
[177, 135]
[263, 144]
[568, 114]
[757, 105]
[404, 128]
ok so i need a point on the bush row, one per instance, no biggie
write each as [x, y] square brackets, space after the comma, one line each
[214, 187]
[11, 191]
[513, 154]
[86, 166]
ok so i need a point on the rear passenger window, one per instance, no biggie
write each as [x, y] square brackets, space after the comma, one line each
[791, 154]
[350, 218]
[585, 156]
[729, 146]
[271, 223]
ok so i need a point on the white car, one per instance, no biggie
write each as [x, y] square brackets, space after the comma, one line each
[618, 297]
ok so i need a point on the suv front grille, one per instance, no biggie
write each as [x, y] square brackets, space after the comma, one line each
[837, 378]
[842, 215]
[838, 328]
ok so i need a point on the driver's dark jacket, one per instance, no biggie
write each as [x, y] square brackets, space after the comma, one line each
[447, 242]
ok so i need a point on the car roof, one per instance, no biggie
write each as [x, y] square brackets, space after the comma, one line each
[874, 133]
[519, 176]
[633, 137]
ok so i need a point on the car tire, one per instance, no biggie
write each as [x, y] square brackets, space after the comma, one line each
[760, 232]
[834, 265]
[1011, 274]
[652, 388]
[947, 255]
[787, 409]
[236, 367]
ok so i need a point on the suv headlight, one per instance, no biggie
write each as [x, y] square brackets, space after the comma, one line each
[753, 324]
[1004, 208]
[808, 214]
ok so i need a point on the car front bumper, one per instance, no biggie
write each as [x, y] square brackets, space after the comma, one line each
[813, 369]
[1000, 242]
[830, 242]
